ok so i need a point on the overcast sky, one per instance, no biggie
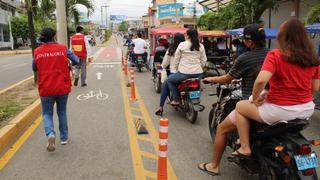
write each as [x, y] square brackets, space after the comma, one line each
[131, 8]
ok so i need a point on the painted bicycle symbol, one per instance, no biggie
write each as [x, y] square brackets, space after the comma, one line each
[100, 96]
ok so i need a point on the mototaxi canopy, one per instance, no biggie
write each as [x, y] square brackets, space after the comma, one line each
[168, 31]
[214, 33]
[313, 28]
[271, 33]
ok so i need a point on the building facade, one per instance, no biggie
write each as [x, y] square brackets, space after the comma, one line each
[7, 10]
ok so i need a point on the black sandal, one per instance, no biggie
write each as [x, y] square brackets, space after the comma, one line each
[159, 112]
[204, 169]
[240, 155]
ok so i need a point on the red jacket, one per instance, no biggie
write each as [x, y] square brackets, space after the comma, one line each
[79, 46]
[53, 70]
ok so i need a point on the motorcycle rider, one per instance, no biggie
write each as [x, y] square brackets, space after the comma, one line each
[168, 60]
[293, 73]
[139, 48]
[189, 59]
[246, 67]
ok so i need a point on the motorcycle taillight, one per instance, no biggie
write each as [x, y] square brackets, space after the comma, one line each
[194, 84]
[309, 172]
[305, 149]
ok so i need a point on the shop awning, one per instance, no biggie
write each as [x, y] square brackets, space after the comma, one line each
[313, 28]
[271, 33]
[212, 5]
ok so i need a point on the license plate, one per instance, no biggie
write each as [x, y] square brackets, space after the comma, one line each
[194, 94]
[306, 161]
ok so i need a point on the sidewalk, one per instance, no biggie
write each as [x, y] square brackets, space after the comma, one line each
[15, 52]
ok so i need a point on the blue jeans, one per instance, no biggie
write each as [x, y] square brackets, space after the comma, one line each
[175, 79]
[47, 103]
[164, 93]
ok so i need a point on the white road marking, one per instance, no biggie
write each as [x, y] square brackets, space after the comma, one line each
[99, 75]
[106, 63]
[99, 96]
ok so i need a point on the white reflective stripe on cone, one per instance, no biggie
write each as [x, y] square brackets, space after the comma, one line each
[163, 154]
[163, 142]
[163, 129]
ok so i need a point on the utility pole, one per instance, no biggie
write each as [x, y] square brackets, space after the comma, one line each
[101, 16]
[61, 22]
[175, 1]
[105, 6]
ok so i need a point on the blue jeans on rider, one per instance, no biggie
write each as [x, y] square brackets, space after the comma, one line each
[174, 80]
[47, 103]
[164, 91]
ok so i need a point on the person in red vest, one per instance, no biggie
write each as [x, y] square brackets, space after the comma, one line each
[54, 83]
[81, 47]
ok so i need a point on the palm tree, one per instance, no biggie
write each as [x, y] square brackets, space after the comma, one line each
[31, 7]
[314, 15]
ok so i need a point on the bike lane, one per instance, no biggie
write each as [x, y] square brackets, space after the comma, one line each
[99, 146]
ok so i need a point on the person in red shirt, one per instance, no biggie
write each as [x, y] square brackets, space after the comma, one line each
[81, 47]
[292, 72]
[54, 83]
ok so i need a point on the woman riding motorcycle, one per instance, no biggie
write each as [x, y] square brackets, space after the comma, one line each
[293, 73]
[246, 68]
[190, 58]
[168, 60]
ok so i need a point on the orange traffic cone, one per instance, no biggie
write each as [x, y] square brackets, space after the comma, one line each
[133, 90]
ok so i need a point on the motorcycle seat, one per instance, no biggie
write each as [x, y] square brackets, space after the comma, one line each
[190, 80]
[280, 127]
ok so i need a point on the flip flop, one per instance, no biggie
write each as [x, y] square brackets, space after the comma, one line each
[204, 169]
[240, 155]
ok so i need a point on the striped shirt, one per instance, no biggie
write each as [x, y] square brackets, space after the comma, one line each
[247, 67]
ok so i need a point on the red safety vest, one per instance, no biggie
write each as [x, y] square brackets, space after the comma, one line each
[79, 46]
[53, 70]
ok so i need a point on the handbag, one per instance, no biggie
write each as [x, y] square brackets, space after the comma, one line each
[164, 75]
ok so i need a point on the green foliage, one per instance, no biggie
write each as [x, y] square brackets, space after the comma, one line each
[123, 26]
[19, 26]
[39, 25]
[314, 15]
[107, 35]
[72, 12]
[237, 13]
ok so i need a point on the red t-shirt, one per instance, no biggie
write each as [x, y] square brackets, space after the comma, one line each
[290, 84]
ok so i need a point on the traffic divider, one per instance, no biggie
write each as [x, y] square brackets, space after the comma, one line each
[163, 149]
[126, 67]
[133, 90]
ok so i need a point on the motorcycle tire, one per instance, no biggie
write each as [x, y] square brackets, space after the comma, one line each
[266, 172]
[157, 84]
[213, 129]
[191, 114]
[139, 68]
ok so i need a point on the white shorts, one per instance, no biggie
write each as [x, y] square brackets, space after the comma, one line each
[271, 113]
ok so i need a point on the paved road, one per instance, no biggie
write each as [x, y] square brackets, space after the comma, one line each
[104, 144]
[15, 68]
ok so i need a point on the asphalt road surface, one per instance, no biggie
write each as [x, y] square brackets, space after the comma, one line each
[103, 141]
[15, 68]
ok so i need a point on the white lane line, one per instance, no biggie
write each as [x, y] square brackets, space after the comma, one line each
[106, 63]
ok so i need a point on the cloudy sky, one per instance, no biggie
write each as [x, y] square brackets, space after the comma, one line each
[131, 8]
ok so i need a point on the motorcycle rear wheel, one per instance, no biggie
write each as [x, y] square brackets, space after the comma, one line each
[191, 114]
[157, 84]
[212, 129]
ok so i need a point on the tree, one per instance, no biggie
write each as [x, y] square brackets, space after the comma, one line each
[73, 13]
[237, 13]
[19, 26]
[31, 6]
[124, 26]
[314, 15]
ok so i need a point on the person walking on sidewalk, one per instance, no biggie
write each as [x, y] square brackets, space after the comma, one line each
[80, 45]
[54, 83]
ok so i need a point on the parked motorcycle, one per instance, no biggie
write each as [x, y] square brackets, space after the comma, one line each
[279, 151]
[190, 92]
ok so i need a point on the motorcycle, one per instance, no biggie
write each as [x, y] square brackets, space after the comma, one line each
[190, 92]
[279, 151]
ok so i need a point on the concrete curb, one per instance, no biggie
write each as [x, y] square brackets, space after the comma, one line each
[11, 132]
[15, 85]
[15, 52]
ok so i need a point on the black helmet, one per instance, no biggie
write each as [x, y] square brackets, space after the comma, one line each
[254, 32]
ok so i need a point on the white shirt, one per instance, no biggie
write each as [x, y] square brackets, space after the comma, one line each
[167, 60]
[187, 61]
[86, 42]
[139, 46]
